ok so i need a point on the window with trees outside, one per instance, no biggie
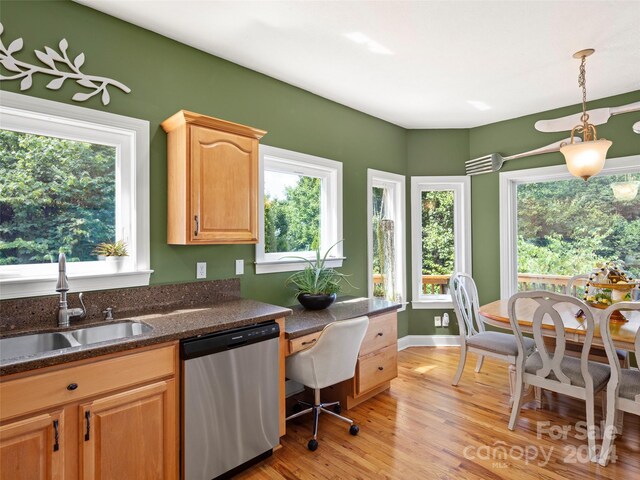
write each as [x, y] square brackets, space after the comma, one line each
[441, 237]
[301, 210]
[386, 235]
[70, 179]
[565, 226]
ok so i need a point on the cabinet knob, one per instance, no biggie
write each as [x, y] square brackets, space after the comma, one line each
[380, 368]
[380, 334]
[72, 386]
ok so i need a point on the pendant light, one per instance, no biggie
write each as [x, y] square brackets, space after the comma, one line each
[587, 158]
[625, 191]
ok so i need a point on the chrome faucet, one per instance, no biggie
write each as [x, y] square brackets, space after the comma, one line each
[62, 287]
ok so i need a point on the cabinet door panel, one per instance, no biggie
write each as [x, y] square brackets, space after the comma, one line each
[224, 184]
[27, 448]
[130, 435]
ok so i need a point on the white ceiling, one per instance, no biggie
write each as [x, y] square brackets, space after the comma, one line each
[425, 61]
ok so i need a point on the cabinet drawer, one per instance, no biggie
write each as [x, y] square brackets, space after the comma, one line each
[376, 369]
[302, 343]
[382, 332]
[45, 390]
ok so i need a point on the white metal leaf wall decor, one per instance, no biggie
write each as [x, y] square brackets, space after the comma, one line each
[52, 60]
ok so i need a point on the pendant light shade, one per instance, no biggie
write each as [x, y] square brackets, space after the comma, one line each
[586, 159]
[625, 191]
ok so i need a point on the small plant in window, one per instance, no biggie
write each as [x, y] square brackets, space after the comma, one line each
[317, 285]
[116, 249]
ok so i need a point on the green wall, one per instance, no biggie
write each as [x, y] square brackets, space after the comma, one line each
[166, 76]
[439, 152]
[432, 152]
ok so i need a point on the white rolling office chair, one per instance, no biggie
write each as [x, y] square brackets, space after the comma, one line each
[473, 337]
[623, 389]
[331, 360]
[555, 371]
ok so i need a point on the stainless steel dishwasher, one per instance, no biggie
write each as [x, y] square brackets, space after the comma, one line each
[230, 400]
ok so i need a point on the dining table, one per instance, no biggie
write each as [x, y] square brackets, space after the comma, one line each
[623, 334]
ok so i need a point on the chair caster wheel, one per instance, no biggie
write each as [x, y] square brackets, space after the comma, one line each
[354, 429]
[337, 409]
[296, 408]
[312, 445]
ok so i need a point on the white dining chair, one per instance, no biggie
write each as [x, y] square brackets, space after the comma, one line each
[555, 371]
[623, 389]
[332, 359]
[571, 288]
[473, 337]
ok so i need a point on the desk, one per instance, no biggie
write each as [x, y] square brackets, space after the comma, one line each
[377, 359]
[622, 334]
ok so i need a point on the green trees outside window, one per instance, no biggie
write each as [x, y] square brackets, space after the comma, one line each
[565, 227]
[54, 194]
[292, 213]
[384, 248]
[438, 236]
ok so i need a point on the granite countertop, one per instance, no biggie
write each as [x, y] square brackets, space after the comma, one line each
[302, 322]
[167, 326]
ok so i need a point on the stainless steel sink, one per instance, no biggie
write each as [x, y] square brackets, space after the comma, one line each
[112, 331]
[26, 345]
[32, 344]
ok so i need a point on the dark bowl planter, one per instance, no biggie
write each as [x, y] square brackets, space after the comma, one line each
[316, 302]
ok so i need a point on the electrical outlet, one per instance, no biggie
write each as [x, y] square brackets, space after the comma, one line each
[201, 270]
[240, 267]
[445, 320]
[438, 321]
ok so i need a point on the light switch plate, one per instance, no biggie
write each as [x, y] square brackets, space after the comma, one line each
[445, 320]
[240, 267]
[201, 270]
[438, 321]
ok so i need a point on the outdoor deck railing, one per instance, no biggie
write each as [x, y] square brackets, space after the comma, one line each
[439, 284]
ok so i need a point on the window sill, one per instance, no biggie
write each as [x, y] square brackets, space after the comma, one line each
[292, 265]
[38, 286]
[431, 304]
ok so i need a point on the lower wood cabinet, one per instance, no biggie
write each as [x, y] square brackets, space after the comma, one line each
[377, 363]
[31, 448]
[120, 425]
[129, 434]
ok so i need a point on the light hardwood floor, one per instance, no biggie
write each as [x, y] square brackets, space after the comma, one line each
[423, 428]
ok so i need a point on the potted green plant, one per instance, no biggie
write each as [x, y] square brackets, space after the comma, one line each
[317, 285]
[113, 253]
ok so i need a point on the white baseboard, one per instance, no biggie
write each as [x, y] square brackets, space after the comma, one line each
[428, 341]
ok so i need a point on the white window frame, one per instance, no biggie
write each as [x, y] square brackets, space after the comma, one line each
[330, 171]
[509, 182]
[461, 187]
[396, 185]
[130, 136]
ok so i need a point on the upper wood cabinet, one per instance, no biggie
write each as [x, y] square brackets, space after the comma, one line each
[212, 180]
